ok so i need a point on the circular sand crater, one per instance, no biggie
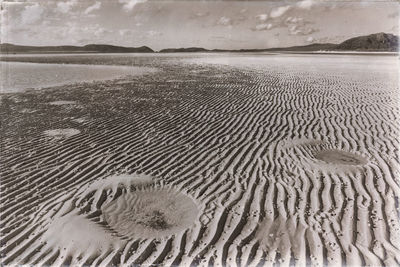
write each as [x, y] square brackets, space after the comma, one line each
[150, 214]
[334, 156]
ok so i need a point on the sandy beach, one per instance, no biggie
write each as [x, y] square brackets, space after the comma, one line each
[225, 160]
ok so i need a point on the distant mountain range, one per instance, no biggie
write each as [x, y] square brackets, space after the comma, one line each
[378, 42]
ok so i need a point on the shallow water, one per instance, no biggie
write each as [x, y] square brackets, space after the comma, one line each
[18, 76]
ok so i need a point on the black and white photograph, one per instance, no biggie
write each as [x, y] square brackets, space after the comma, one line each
[200, 133]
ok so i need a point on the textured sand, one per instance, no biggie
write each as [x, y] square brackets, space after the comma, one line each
[339, 157]
[237, 161]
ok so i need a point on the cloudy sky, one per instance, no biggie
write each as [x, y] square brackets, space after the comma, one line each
[210, 24]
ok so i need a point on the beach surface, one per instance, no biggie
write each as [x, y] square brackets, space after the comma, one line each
[225, 160]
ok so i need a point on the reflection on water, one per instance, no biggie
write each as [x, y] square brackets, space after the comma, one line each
[17, 76]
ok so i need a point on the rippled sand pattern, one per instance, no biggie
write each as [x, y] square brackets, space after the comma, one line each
[211, 161]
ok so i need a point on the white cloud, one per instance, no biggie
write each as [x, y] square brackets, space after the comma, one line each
[225, 21]
[31, 14]
[295, 20]
[279, 11]
[263, 26]
[93, 7]
[300, 30]
[305, 4]
[128, 5]
[310, 39]
[262, 17]
[65, 7]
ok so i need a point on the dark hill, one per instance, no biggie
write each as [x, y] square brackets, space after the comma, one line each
[119, 49]
[305, 48]
[373, 42]
[91, 48]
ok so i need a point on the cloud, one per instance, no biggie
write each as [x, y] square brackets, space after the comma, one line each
[299, 26]
[279, 11]
[305, 4]
[31, 14]
[263, 27]
[92, 8]
[295, 20]
[225, 21]
[65, 7]
[296, 30]
[310, 39]
[262, 17]
[128, 5]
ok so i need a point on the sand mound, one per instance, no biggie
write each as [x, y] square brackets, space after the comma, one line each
[340, 157]
[325, 155]
[150, 214]
[76, 234]
[61, 133]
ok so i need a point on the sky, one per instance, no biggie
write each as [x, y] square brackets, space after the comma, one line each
[210, 24]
